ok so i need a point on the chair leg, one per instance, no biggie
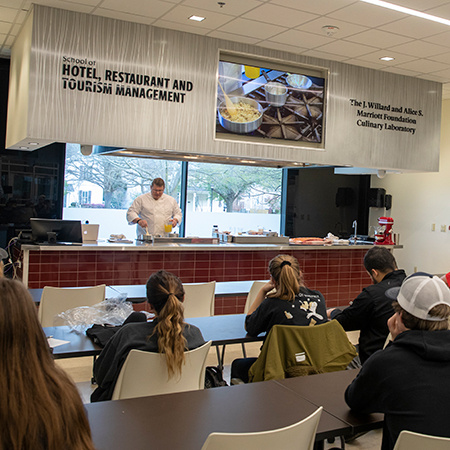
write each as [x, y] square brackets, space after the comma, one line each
[244, 353]
[93, 380]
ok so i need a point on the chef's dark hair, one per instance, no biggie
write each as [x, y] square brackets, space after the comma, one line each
[165, 294]
[285, 271]
[158, 182]
[379, 258]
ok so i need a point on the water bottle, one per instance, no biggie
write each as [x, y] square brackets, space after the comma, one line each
[215, 231]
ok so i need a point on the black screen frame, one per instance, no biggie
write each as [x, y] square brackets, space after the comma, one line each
[67, 231]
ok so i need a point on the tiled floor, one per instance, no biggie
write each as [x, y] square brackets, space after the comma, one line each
[80, 369]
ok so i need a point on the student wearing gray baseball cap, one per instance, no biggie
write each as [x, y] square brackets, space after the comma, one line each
[408, 381]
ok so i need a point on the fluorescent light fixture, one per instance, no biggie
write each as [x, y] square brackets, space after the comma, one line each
[409, 11]
[197, 18]
[387, 58]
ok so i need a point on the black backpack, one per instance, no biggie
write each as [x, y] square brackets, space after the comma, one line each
[214, 377]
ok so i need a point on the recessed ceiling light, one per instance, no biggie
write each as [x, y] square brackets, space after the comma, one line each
[23, 148]
[387, 58]
[197, 18]
[409, 11]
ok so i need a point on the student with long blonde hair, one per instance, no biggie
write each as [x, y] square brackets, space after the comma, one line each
[40, 407]
[168, 333]
[284, 300]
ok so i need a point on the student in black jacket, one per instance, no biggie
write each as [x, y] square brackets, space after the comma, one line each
[370, 311]
[408, 380]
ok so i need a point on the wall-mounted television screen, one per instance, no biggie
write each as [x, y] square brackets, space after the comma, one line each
[56, 231]
[263, 100]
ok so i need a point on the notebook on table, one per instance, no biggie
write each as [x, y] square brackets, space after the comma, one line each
[89, 232]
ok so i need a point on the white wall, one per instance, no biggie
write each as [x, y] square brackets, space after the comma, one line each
[418, 201]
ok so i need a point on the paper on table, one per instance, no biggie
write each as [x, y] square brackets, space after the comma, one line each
[52, 342]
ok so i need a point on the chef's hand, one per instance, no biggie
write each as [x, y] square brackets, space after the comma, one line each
[174, 222]
[142, 223]
[395, 325]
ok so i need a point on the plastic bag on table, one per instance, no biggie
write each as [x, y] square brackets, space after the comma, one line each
[112, 311]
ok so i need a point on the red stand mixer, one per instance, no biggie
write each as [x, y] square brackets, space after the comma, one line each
[383, 235]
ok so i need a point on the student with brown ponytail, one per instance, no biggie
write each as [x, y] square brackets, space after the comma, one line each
[40, 407]
[168, 333]
[284, 300]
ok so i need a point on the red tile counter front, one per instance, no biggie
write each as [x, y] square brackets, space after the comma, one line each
[338, 273]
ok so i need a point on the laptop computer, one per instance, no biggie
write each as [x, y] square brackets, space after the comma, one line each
[89, 232]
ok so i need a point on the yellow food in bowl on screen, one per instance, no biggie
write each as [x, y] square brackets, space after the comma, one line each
[243, 113]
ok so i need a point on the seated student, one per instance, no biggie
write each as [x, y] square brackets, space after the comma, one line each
[40, 407]
[168, 333]
[370, 311]
[284, 300]
[408, 380]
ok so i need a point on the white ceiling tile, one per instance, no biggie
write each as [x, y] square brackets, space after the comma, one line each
[123, 16]
[324, 55]
[443, 73]
[400, 71]
[180, 27]
[279, 15]
[10, 40]
[440, 39]
[92, 3]
[314, 7]
[415, 27]
[375, 56]
[432, 77]
[441, 11]
[423, 66]
[359, 62]
[147, 8]
[349, 49]
[366, 14]
[8, 14]
[419, 49]
[250, 28]
[345, 28]
[301, 38]
[282, 47]
[5, 27]
[232, 7]
[182, 13]
[377, 38]
[444, 58]
[233, 37]
[71, 6]
[419, 5]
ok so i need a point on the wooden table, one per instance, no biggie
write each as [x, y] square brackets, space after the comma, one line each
[184, 420]
[327, 390]
[137, 294]
[221, 330]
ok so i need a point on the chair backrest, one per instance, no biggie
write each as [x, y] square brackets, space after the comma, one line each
[300, 435]
[145, 373]
[291, 350]
[256, 287]
[407, 440]
[54, 301]
[199, 299]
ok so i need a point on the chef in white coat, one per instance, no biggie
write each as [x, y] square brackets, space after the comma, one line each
[153, 210]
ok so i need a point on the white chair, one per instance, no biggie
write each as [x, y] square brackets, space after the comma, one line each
[145, 373]
[54, 301]
[256, 287]
[407, 440]
[199, 299]
[300, 435]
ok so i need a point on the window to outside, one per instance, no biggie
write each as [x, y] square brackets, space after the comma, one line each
[236, 198]
[100, 188]
[110, 184]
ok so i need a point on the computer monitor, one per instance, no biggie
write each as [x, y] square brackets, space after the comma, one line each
[56, 231]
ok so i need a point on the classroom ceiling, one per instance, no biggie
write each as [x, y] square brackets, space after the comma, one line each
[364, 33]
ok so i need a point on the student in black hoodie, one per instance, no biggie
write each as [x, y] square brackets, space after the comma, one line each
[408, 381]
[370, 311]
